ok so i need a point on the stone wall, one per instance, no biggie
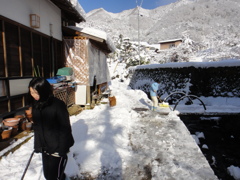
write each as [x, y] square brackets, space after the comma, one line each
[199, 81]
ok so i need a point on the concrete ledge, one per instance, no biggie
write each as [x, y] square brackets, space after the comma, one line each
[14, 143]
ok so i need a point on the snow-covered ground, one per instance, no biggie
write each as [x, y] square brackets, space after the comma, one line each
[127, 141]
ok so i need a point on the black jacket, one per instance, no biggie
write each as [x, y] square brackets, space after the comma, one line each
[52, 129]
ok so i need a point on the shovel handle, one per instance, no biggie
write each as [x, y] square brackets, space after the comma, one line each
[27, 165]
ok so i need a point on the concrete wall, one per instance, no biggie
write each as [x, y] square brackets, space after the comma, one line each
[20, 10]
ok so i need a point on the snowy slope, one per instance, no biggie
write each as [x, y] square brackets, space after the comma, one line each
[212, 26]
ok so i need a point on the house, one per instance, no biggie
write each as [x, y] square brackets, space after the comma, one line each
[86, 51]
[31, 44]
[167, 44]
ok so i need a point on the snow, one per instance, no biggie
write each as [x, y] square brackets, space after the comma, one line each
[96, 33]
[123, 142]
[78, 8]
[129, 141]
[170, 40]
[223, 63]
[234, 171]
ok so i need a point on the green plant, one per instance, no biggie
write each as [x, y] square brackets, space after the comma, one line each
[37, 72]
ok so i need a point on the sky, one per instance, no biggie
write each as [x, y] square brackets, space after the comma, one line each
[117, 6]
[107, 140]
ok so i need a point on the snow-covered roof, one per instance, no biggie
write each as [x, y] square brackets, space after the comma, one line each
[170, 40]
[72, 9]
[224, 63]
[97, 35]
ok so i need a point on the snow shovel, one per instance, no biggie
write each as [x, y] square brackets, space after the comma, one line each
[163, 107]
[162, 104]
[27, 165]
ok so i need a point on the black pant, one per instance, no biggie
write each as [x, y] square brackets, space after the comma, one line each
[53, 167]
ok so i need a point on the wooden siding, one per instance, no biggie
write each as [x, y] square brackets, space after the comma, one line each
[21, 50]
[168, 45]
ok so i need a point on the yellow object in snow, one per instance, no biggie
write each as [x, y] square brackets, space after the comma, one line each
[163, 104]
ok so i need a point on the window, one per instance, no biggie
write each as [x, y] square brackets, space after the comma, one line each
[172, 45]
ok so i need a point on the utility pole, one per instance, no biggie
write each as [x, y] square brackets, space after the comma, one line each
[138, 7]
[138, 37]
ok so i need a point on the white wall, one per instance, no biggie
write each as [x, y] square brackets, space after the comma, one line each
[19, 11]
[18, 86]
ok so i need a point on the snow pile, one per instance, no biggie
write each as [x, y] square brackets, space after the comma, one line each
[79, 8]
[234, 172]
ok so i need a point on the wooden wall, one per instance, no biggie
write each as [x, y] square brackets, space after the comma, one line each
[23, 49]
[168, 45]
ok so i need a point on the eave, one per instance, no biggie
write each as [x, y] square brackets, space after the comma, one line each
[98, 42]
[76, 13]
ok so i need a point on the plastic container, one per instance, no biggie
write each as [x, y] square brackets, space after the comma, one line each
[14, 130]
[28, 126]
[56, 79]
[65, 71]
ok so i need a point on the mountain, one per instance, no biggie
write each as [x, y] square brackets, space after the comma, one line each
[200, 18]
[212, 24]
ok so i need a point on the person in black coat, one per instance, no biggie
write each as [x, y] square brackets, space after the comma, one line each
[52, 130]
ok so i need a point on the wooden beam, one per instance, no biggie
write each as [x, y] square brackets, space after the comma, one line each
[4, 49]
[92, 37]
[20, 52]
[32, 60]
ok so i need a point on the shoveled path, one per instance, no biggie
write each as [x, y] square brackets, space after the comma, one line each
[164, 150]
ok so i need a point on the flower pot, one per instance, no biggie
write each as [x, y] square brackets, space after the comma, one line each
[29, 117]
[29, 126]
[19, 116]
[14, 130]
[28, 114]
[6, 133]
[22, 125]
[11, 121]
[28, 111]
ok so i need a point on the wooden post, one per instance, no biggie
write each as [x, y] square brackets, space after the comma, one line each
[88, 97]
